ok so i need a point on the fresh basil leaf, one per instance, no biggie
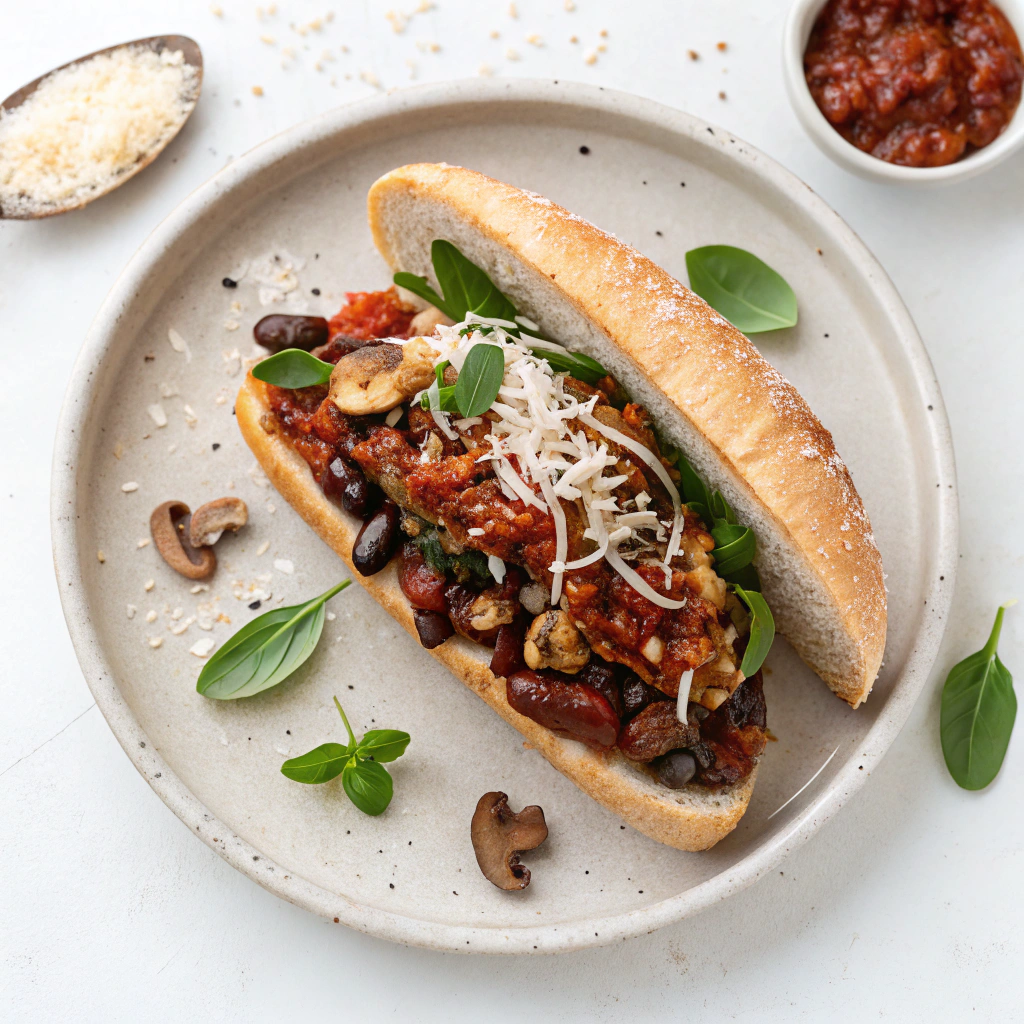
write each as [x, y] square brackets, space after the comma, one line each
[369, 786]
[978, 711]
[480, 378]
[419, 286]
[735, 547]
[383, 744]
[320, 765]
[744, 289]
[695, 491]
[266, 651]
[575, 364]
[446, 400]
[467, 289]
[762, 631]
[747, 578]
[293, 368]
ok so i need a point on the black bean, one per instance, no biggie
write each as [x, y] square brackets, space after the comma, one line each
[677, 768]
[282, 330]
[508, 648]
[377, 540]
[345, 481]
[433, 627]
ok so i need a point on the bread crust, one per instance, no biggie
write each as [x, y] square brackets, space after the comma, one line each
[765, 435]
[691, 819]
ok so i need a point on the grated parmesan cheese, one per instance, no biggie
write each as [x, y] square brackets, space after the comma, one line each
[89, 124]
[533, 447]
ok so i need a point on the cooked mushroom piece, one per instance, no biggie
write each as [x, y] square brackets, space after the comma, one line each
[427, 319]
[169, 525]
[499, 836]
[552, 641]
[376, 378]
[209, 521]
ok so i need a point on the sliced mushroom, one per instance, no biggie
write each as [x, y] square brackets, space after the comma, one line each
[427, 319]
[169, 524]
[552, 641]
[499, 836]
[209, 521]
[376, 378]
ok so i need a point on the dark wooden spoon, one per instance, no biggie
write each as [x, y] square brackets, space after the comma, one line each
[193, 57]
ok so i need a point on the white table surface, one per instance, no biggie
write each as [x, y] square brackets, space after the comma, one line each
[907, 906]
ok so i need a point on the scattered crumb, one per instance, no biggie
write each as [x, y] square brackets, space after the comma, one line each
[601, 48]
[495, 34]
[284, 565]
[130, 611]
[149, 585]
[370, 79]
[603, 33]
[217, 11]
[263, 548]
[167, 390]
[143, 542]
[180, 628]
[151, 615]
[485, 70]
[330, 616]
[157, 414]
[119, 448]
[693, 54]
[534, 39]
[269, 40]
[721, 47]
[271, 508]
[199, 588]
[513, 11]
[257, 90]
[569, 5]
[511, 54]
[721, 95]
[190, 417]
[590, 57]
[129, 487]
[179, 344]
[177, 614]
[100, 557]
[155, 641]
[574, 39]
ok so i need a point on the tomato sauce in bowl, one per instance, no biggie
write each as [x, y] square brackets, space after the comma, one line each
[920, 83]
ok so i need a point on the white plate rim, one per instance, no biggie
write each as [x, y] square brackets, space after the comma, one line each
[239, 853]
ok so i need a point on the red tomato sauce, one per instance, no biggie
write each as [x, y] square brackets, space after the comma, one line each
[920, 83]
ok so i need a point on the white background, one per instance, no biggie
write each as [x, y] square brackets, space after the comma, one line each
[907, 906]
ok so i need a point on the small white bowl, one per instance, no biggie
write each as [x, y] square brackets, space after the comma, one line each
[799, 23]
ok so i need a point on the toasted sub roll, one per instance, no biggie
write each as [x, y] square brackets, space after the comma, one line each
[743, 427]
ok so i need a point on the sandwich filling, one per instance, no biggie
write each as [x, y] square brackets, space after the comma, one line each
[550, 526]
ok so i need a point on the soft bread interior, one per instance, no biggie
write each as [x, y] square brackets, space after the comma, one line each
[744, 428]
[693, 818]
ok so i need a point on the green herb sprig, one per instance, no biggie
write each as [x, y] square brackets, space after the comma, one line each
[360, 764]
[744, 289]
[266, 651]
[762, 630]
[293, 368]
[979, 708]
[468, 290]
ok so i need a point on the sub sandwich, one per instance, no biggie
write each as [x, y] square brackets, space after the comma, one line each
[582, 489]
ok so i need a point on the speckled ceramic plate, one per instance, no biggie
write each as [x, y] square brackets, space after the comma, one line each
[661, 180]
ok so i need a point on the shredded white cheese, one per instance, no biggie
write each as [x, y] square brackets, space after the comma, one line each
[88, 124]
[534, 447]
